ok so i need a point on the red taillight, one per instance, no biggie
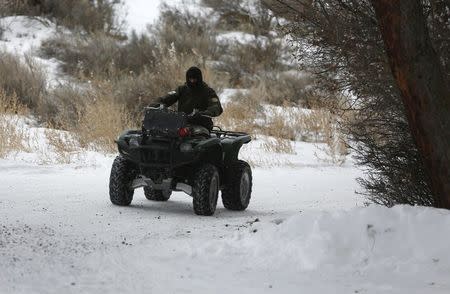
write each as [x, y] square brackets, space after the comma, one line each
[184, 132]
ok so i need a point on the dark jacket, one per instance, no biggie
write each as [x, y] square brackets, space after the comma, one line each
[202, 98]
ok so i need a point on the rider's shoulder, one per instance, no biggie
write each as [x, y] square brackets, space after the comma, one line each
[207, 87]
[182, 88]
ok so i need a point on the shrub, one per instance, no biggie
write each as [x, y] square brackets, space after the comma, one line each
[84, 56]
[10, 104]
[63, 147]
[242, 114]
[187, 33]
[247, 16]
[280, 88]
[22, 77]
[244, 62]
[13, 137]
[92, 16]
[101, 121]
[62, 106]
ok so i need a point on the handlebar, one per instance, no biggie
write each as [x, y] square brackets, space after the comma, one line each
[161, 106]
[197, 112]
[156, 106]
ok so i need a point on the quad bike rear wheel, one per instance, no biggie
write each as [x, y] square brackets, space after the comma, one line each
[156, 195]
[237, 192]
[205, 190]
[122, 175]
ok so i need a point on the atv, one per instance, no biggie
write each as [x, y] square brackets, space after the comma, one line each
[171, 154]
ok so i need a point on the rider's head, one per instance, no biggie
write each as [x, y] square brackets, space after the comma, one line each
[194, 77]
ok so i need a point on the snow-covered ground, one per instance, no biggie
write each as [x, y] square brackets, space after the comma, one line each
[305, 232]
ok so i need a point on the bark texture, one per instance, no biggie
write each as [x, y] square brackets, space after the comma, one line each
[419, 75]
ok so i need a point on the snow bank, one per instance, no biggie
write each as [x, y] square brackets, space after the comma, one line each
[401, 239]
[48, 146]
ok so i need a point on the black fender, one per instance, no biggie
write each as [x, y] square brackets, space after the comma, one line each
[232, 146]
[211, 150]
[123, 140]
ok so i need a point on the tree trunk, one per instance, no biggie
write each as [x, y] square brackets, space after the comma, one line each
[419, 75]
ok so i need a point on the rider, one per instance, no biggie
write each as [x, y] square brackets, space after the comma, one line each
[195, 94]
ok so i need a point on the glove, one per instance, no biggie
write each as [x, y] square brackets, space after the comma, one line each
[204, 112]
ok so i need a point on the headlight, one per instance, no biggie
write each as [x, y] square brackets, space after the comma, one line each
[134, 142]
[186, 147]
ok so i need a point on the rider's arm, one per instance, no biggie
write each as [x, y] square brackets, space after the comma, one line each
[171, 98]
[214, 107]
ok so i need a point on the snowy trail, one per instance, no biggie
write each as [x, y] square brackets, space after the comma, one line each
[59, 233]
[59, 228]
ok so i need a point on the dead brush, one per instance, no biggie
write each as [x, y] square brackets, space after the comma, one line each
[285, 87]
[278, 145]
[321, 126]
[244, 62]
[242, 115]
[13, 137]
[22, 77]
[312, 126]
[101, 121]
[277, 125]
[63, 145]
[92, 16]
[186, 31]
[10, 104]
[336, 149]
[281, 132]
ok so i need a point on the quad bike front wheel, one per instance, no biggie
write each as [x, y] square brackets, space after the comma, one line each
[156, 195]
[237, 192]
[122, 175]
[205, 190]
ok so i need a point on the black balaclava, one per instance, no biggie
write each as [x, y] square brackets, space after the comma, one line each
[194, 73]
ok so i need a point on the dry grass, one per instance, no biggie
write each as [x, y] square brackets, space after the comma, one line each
[242, 115]
[64, 147]
[281, 126]
[187, 32]
[62, 106]
[85, 56]
[246, 16]
[279, 145]
[101, 121]
[245, 62]
[336, 148]
[22, 77]
[91, 16]
[13, 137]
[286, 87]
[10, 104]
[277, 125]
